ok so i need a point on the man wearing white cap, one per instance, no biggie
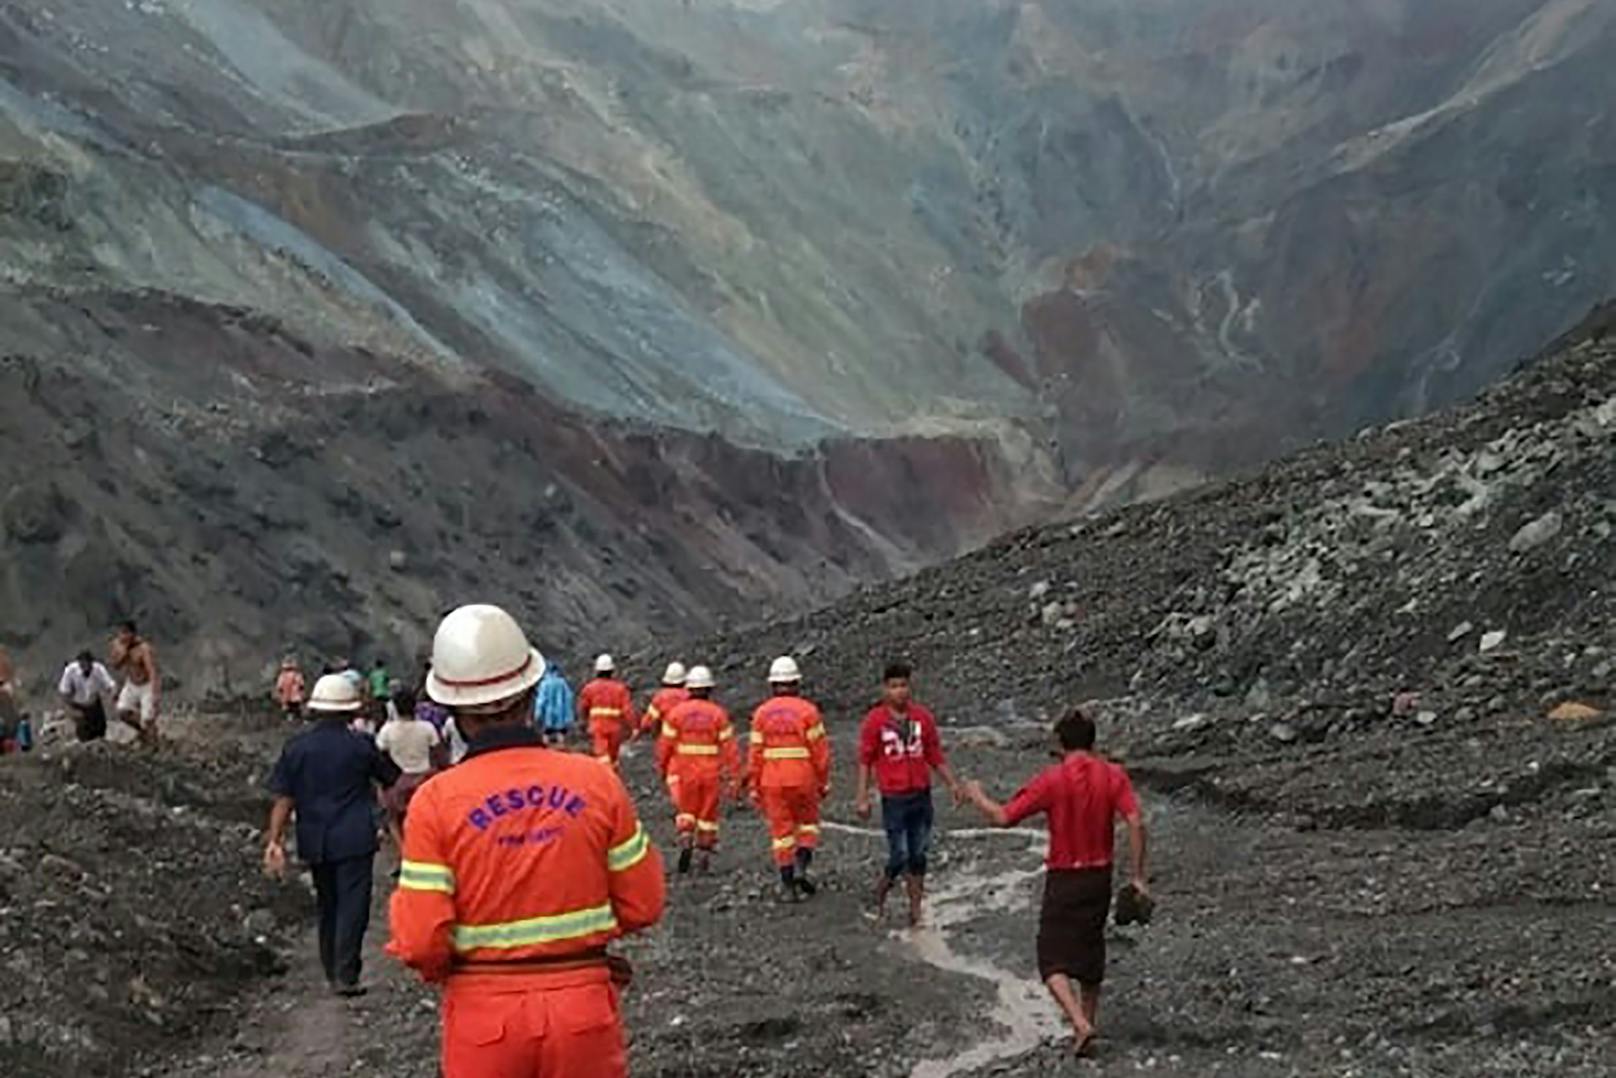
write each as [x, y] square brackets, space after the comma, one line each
[520, 866]
[329, 777]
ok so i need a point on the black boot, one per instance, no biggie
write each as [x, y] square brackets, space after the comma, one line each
[788, 884]
[807, 886]
[684, 861]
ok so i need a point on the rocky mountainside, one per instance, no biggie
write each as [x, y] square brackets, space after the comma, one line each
[726, 305]
[1365, 694]
[1430, 580]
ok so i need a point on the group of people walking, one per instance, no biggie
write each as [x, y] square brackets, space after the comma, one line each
[521, 864]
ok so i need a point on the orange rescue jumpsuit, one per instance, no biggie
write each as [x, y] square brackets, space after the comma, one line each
[696, 754]
[520, 865]
[789, 771]
[608, 710]
[663, 701]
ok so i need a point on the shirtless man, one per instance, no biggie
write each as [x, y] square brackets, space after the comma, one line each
[133, 657]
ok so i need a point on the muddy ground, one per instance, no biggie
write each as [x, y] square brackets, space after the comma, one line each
[1282, 947]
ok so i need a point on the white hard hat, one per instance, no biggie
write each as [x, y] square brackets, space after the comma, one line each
[481, 656]
[333, 692]
[783, 671]
[604, 664]
[674, 674]
[700, 678]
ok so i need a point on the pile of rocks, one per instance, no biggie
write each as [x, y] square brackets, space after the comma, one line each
[1464, 559]
[131, 909]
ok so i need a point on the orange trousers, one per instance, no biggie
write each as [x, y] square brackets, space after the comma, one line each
[517, 1029]
[606, 740]
[695, 806]
[793, 815]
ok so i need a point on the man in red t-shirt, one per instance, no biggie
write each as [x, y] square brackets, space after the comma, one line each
[899, 746]
[1083, 795]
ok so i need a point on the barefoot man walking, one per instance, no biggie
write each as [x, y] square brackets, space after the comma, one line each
[1082, 796]
[133, 657]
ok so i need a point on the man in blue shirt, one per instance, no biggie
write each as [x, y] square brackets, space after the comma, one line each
[328, 776]
[553, 705]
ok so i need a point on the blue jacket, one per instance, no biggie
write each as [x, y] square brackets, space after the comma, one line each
[553, 705]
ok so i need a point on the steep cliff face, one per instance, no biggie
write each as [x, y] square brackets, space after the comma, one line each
[917, 269]
[295, 495]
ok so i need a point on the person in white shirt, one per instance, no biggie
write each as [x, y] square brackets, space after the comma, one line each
[412, 744]
[85, 687]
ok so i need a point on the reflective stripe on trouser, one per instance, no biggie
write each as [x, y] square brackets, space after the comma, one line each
[793, 815]
[575, 1031]
[696, 798]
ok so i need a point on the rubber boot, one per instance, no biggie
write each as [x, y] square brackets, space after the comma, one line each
[704, 864]
[788, 884]
[684, 860]
[807, 886]
[916, 886]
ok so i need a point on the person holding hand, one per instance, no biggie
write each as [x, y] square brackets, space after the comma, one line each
[1082, 795]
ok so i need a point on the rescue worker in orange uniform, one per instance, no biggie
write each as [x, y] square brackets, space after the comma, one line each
[520, 866]
[699, 761]
[664, 700]
[789, 774]
[606, 708]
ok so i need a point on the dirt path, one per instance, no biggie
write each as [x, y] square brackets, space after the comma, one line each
[298, 1029]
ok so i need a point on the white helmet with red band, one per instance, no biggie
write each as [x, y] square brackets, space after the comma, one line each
[480, 656]
[334, 693]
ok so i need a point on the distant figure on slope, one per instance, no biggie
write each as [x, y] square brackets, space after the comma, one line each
[789, 773]
[899, 747]
[553, 706]
[607, 708]
[134, 657]
[1082, 796]
[699, 763]
[329, 778]
[289, 689]
[664, 700]
[85, 688]
[9, 718]
[378, 689]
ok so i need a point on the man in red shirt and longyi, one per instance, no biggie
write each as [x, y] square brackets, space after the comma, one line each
[899, 746]
[1083, 795]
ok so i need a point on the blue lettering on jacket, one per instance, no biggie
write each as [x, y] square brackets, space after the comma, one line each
[533, 799]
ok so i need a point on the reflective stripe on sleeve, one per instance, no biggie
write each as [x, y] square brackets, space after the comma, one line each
[668, 730]
[725, 734]
[533, 931]
[757, 738]
[422, 876]
[794, 753]
[624, 857]
[816, 731]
